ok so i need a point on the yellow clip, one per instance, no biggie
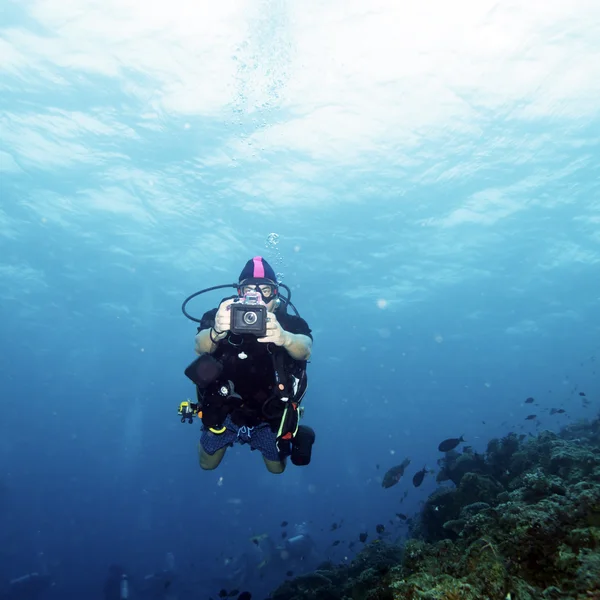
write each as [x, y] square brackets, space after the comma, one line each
[183, 405]
[217, 430]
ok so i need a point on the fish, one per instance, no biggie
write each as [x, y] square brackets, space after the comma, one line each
[336, 543]
[401, 516]
[557, 411]
[257, 539]
[284, 523]
[245, 596]
[283, 534]
[530, 417]
[223, 593]
[529, 400]
[393, 475]
[582, 393]
[363, 537]
[380, 528]
[419, 476]
[450, 444]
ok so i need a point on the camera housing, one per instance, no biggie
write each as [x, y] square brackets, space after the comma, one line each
[249, 316]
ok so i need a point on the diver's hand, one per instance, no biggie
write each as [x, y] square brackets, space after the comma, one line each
[276, 334]
[222, 320]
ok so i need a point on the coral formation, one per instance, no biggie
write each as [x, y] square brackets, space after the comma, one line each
[522, 522]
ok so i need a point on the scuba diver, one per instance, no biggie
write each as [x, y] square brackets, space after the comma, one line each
[116, 584]
[299, 548]
[297, 553]
[160, 585]
[29, 587]
[251, 374]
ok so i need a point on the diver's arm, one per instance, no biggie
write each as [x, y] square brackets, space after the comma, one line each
[299, 346]
[207, 338]
[203, 342]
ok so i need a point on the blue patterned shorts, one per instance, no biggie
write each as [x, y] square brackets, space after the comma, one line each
[260, 438]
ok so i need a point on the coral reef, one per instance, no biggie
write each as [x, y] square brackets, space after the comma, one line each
[522, 522]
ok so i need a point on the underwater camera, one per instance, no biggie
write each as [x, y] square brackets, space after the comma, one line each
[249, 315]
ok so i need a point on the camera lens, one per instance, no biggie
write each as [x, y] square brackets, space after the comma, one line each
[250, 317]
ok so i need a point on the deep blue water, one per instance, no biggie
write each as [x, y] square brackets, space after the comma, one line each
[425, 180]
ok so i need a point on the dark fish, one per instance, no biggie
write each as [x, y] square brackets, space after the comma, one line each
[363, 537]
[582, 393]
[393, 475]
[530, 417]
[336, 543]
[255, 541]
[450, 444]
[377, 467]
[167, 584]
[245, 596]
[380, 528]
[418, 477]
[529, 400]
[284, 523]
[289, 573]
[223, 594]
[401, 516]
[284, 534]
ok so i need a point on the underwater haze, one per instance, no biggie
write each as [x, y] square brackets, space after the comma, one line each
[425, 179]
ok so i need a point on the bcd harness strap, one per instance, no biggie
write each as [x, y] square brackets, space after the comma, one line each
[288, 390]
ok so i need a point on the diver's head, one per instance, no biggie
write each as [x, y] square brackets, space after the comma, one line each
[259, 277]
[301, 528]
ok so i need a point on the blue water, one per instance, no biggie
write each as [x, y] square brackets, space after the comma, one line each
[424, 179]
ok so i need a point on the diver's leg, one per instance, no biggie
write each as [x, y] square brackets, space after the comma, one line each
[274, 466]
[265, 441]
[208, 462]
